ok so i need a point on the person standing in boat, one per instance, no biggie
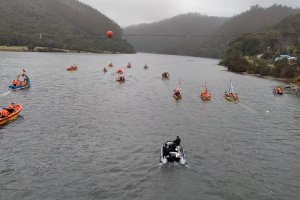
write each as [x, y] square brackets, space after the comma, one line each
[177, 141]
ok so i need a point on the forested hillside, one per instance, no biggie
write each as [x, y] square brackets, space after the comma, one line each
[211, 34]
[274, 52]
[65, 24]
[253, 20]
[182, 34]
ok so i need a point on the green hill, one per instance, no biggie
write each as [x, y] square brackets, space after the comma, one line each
[202, 36]
[271, 52]
[253, 20]
[176, 35]
[65, 24]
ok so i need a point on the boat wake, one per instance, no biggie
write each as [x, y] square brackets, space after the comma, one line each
[248, 109]
[5, 93]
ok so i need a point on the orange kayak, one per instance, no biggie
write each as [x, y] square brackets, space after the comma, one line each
[12, 116]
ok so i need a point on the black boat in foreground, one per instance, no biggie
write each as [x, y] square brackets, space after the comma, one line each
[170, 153]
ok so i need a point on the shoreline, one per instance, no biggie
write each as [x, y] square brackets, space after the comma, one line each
[272, 78]
[47, 49]
[289, 85]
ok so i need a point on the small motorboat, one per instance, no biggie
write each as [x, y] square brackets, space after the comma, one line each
[177, 95]
[13, 115]
[120, 71]
[121, 79]
[72, 68]
[22, 85]
[165, 76]
[278, 91]
[177, 92]
[205, 95]
[170, 153]
[230, 95]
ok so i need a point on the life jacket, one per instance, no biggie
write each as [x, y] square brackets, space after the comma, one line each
[11, 106]
[18, 83]
[4, 113]
[14, 82]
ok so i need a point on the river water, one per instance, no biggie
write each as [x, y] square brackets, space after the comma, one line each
[83, 136]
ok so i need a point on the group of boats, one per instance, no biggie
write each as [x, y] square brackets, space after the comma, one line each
[120, 72]
[13, 110]
[205, 95]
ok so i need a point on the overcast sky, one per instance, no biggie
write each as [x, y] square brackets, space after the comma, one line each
[129, 12]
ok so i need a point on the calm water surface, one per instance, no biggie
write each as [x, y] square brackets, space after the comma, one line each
[83, 136]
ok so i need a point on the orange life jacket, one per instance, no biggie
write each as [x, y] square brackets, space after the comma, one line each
[11, 106]
[4, 113]
[14, 82]
[18, 83]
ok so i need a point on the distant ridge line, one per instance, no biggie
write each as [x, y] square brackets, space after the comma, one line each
[129, 35]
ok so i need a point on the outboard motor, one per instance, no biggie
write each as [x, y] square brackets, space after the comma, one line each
[182, 161]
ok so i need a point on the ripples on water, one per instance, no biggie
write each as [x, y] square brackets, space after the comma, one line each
[83, 136]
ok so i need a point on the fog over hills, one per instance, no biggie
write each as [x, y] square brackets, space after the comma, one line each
[199, 35]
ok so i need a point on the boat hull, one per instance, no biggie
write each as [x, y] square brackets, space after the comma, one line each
[231, 99]
[12, 87]
[12, 116]
[205, 97]
[176, 156]
[177, 97]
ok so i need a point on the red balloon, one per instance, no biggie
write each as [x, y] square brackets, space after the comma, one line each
[109, 34]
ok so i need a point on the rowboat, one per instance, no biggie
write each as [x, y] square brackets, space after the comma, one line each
[14, 87]
[177, 92]
[12, 116]
[177, 96]
[72, 68]
[230, 95]
[205, 95]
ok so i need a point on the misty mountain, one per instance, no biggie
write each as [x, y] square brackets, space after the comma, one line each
[254, 20]
[176, 35]
[66, 24]
[209, 36]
